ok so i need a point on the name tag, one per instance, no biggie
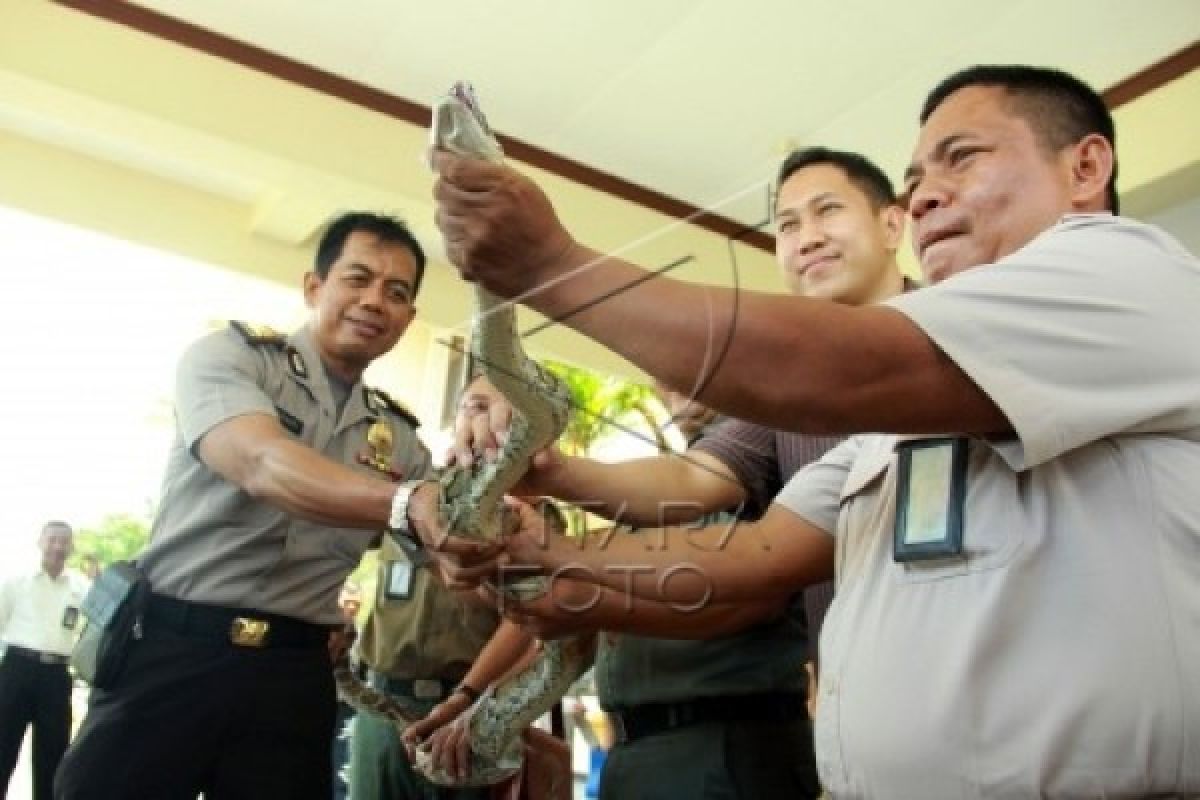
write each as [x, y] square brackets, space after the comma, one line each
[931, 490]
[398, 580]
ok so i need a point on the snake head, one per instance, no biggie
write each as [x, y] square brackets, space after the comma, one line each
[460, 126]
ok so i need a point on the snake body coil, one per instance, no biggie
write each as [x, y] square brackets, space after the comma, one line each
[472, 501]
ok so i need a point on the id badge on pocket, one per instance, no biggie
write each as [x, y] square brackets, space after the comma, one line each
[931, 489]
[398, 581]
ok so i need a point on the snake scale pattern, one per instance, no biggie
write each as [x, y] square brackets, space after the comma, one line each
[472, 502]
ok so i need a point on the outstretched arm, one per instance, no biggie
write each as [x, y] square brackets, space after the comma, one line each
[255, 453]
[776, 555]
[833, 368]
[572, 607]
[647, 491]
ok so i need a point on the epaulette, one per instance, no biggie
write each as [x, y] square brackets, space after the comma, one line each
[379, 401]
[259, 334]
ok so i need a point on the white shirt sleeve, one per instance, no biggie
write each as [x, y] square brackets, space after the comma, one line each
[1086, 332]
[814, 493]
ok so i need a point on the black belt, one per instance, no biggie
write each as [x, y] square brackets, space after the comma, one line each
[37, 655]
[651, 718]
[242, 627]
[416, 688]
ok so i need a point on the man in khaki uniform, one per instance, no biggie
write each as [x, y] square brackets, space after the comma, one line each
[418, 643]
[282, 473]
[1018, 604]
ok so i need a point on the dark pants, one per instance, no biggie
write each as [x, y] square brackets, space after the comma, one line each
[342, 731]
[37, 693]
[715, 761]
[189, 716]
[379, 769]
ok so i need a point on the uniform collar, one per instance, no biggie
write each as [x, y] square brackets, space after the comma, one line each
[310, 371]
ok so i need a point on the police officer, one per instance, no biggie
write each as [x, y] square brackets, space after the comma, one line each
[39, 617]
[282, 472]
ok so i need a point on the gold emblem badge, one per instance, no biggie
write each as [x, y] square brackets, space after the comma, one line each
[380, 441]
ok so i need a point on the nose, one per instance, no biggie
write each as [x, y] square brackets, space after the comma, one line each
[927, 196]
[812, 241]
[809, 237]
[372, 296]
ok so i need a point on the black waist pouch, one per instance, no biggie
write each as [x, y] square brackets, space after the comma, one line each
[113, 608]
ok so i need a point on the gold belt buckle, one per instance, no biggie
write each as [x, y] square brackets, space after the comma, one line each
[246, 632]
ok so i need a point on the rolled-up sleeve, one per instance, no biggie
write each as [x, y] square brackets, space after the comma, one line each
[1082, 334]
[814, 493]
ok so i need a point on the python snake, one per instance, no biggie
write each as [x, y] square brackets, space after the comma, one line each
[472, 503]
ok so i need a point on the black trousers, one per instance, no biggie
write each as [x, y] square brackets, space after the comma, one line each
[715, 761]
[189, 716]
[37, 694]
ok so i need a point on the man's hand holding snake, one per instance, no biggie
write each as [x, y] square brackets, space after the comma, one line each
[465, 561]
[499, 227]
[448, 734]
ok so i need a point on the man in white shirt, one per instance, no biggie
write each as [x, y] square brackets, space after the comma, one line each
[39, 618]
[1016, 547]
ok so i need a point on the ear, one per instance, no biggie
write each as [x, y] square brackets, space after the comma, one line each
[893, 218]
[1091, 167]
[312, 287]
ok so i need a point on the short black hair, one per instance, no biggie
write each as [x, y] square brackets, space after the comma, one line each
[1060, 108]
[861, 171]
[386, 228]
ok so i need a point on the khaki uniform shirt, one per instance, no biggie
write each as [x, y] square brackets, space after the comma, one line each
[211, 541]
[433, 633]
[1060, 655]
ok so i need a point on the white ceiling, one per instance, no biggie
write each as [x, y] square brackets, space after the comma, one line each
[699, 100]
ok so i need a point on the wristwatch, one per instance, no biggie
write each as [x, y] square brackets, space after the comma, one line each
[468, 691]
[399, 524]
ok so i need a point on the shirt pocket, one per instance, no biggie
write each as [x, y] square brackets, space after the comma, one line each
[993, 529]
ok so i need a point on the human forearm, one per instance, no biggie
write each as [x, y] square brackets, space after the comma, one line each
[648, 491]
[619, 612]
[294, 478]
[504, 652]
[833, 368]
[251, 452]
[776, 555]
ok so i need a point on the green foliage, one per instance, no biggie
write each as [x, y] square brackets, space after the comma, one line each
[117, 538]
[599, 400]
